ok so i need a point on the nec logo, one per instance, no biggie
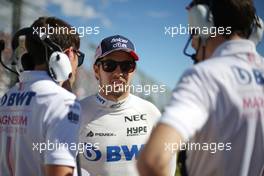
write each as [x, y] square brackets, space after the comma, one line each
[114, 153]
[17, 98]
[137, 117]
[245, 77]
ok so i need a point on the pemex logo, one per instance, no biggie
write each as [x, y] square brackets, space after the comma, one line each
[90, 134]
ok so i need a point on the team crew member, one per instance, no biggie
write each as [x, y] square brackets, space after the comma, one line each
[218, 102]
[36, 111]
[115, 122]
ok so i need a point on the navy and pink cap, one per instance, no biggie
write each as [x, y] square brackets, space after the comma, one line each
[115, 43]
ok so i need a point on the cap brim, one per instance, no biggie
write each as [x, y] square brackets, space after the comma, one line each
[130, 51]
[134, 55]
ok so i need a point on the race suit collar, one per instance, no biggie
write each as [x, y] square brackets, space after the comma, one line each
[232, 47]
[111, 104]
[32, 76]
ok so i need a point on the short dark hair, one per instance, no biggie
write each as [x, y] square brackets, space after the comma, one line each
[237, 14]
[36, 49]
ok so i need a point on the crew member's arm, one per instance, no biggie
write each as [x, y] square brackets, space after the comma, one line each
[157, 154]
[183, 117]
[62, 129]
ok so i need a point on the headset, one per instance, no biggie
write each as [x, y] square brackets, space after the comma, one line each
[59, 66]
[200, 15]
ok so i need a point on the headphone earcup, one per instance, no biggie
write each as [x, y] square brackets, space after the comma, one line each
[60, 66]
[200, 16]
[257, 31]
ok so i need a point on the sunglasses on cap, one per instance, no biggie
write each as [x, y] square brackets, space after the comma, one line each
[111, 65]
[80, 55]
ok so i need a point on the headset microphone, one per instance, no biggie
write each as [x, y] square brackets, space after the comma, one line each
[192, 56]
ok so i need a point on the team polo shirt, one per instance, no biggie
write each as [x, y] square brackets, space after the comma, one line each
[221, 102]
[36, 114]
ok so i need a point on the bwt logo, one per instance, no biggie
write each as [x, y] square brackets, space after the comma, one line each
[17, 98]
[93, 154]
[114, 153]
[245, 77]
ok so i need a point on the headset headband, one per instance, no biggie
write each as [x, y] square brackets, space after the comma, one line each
[43, 38]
